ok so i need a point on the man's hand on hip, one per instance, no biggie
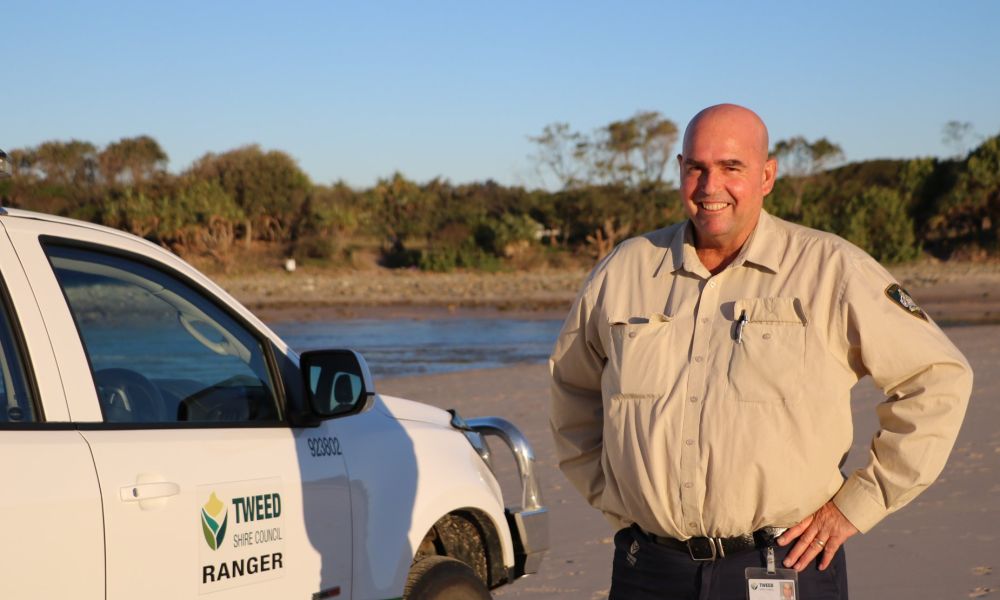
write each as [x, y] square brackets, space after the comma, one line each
[823, 531]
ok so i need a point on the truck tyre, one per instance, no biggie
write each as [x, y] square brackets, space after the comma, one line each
[443, 578]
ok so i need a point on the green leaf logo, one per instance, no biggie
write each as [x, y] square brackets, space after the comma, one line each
[214, 518]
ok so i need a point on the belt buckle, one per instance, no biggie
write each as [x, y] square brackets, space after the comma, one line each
[705, 548]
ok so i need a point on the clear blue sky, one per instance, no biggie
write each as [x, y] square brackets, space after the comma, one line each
[357, 90]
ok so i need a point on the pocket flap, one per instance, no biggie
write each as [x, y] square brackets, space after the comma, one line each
[771, 310]
[653, 318]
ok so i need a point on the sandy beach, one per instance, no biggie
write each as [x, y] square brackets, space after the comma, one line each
[945, 544]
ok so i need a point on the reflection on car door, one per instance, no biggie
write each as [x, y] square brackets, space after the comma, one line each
[203, 480]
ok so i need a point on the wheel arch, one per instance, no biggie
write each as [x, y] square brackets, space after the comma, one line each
[470, 535]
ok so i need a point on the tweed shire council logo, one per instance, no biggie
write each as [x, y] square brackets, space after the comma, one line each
[214, 518]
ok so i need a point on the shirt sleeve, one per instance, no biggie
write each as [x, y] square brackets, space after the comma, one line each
[927, 383]
[576, 409]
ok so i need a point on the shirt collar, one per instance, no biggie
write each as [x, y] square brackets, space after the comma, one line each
[763, 248]
[673, 258]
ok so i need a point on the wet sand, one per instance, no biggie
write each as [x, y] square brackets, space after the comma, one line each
[945, 544]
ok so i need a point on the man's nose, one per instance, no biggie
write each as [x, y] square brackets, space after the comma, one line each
[710, 182]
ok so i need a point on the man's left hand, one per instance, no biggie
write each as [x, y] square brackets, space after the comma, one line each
[823, 531]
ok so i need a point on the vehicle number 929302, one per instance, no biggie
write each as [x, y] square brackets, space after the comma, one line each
[324, 446]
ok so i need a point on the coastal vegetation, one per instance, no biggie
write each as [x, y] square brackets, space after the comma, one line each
[602, 187]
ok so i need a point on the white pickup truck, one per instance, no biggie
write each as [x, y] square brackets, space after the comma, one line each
[162, 443]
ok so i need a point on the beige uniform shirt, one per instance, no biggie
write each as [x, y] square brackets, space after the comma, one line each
[663, 418]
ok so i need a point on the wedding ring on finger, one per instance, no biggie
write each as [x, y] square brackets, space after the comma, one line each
[820, 543]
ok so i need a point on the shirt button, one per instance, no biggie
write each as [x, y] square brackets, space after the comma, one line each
[692, 524]
[766, 336]
[698, 359]
[693, 398]
[689, 485]
[689, 442]
[711, 284]
[631, 334]
[704, 321]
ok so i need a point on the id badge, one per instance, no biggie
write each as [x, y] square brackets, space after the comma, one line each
[772, 583]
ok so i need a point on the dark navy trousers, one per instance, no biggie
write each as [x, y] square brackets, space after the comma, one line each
[645, 570]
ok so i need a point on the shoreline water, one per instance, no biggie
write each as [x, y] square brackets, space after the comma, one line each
[396, 347]
[416, 312]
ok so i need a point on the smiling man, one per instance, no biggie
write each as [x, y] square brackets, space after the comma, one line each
[701, 388]
[725, 174]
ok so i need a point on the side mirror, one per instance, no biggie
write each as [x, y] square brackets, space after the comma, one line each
[337, 382]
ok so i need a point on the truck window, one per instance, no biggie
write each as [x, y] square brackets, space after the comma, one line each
[160, 351]
[15, 396]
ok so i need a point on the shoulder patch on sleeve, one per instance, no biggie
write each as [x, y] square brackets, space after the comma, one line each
[904, 300]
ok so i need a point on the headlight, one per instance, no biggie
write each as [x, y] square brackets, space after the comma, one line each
[474, 437]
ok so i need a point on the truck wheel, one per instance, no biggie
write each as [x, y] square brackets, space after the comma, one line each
[443, 578]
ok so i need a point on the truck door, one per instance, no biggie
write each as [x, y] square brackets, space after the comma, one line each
[50, 500]
[206, 487]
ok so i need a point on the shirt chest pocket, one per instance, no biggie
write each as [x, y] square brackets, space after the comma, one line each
[768, 361]
[644, 359]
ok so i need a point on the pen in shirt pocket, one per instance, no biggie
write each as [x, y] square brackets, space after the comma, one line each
[740, 324]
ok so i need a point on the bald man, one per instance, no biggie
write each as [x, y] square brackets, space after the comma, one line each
[701, 387]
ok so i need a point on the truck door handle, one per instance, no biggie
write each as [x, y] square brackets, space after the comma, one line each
[138, 492]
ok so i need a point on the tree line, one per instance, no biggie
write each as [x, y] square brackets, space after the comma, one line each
[605, 186]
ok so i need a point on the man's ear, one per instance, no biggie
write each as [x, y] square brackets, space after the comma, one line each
[770, 175]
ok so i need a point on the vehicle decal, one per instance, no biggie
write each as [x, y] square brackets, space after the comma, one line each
[214, 518]
[241, 525]
[324, 446]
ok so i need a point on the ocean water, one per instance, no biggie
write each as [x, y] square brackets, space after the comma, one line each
[400, 347]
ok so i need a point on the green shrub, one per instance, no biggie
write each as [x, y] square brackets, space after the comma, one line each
[441, 260]
[876, 220]
[499, 236]
[466, 256]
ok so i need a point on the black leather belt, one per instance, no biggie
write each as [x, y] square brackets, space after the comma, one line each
[712, 548]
